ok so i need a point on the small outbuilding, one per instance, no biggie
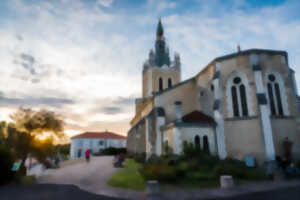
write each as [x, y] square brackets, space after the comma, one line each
[96, 142]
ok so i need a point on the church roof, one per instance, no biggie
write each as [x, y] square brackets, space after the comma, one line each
[103, 135]
[249, 51]
[197, 116]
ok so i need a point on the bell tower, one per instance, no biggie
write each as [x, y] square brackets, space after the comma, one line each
[159, 72]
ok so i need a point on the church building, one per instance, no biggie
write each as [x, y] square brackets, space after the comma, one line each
[244, 103]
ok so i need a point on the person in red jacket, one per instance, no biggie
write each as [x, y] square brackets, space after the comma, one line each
[87, 155]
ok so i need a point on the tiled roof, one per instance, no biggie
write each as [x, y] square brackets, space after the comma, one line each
[105, 135]
[197, 116]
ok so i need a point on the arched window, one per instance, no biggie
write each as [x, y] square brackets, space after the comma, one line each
[274, 95]
[197, 142]
[239, 98]
[169, 82]
[205, 144]
[160, 84]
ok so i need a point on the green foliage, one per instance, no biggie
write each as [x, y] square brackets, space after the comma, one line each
[128, 177]
[41, 150]
[140, 158]
[159, 171]
[6, 162]
[167, 149]
[63, 149]
[200, 176]
[38, 122]
[238, 170]
[189, 150]
[113, 151]
[198, 167]
[21, 136]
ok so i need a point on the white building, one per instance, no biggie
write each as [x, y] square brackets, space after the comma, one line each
[96, 141]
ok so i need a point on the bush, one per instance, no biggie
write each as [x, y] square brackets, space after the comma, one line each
[6, 163]
[140, 158]
[113, 151]
[159, 171]
[200, 176]
[239, 170]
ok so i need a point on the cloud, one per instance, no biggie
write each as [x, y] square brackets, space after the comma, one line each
[105, 3]
[33, 101]
[124, 100]
[111, 110]
[28, 61]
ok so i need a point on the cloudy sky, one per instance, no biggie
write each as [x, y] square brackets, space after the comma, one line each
[83, 58]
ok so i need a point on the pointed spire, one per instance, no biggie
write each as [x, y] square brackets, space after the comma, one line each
[238, 48]
[159, 30]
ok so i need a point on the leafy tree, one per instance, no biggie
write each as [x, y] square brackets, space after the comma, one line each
[28, 125]
[42, 149]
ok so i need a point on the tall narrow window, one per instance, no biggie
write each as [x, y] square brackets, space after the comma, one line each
[169, 82]
[271, 97]
[160, 83]
[205, 144]
[235, 104]
[244, 100]
[197, 142]
[278, 97]
[239, 98]
[274, 96]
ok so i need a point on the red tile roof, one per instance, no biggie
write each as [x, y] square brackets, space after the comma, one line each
[105, 135]
[197, 116]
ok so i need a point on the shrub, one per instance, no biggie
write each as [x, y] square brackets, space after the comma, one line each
[185, 166]
[159, 171]
[238, 170]
[113, 151]
[6, 163]
[200, 176]
[140, 158]
[228, 169]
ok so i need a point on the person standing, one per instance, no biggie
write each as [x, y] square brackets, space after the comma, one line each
[87, 155]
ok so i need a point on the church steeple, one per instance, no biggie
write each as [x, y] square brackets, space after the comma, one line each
[161, 51]
[159, 31]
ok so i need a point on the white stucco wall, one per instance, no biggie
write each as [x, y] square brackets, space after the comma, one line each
[94, 144]
[189, 133]
[177, 135]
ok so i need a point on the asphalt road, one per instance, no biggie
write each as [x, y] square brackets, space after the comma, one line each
[292, 193]
[48, 192]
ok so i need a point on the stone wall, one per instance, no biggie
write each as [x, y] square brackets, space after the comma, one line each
[186, 93]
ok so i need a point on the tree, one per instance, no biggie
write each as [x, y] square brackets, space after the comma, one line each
[27, 127]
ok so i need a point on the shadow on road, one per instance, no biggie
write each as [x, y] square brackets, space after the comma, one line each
[48, 192]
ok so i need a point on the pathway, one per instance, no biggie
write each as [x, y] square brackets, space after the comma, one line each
[91, 177]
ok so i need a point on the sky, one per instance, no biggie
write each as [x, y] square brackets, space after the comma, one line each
[83, 58]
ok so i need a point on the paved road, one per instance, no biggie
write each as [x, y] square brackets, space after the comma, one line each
[48, 192]
[292, 193]
[90, 177]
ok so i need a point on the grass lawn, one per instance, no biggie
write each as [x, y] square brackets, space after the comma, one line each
[129, 177]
